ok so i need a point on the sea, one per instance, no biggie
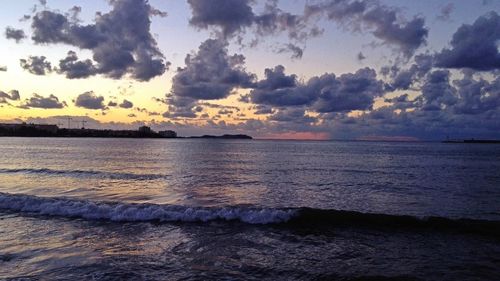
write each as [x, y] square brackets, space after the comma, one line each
[210, 209]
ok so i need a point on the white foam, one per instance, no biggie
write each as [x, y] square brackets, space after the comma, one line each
[123, 212]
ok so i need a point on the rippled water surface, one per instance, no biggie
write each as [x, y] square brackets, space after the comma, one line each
[114, 209]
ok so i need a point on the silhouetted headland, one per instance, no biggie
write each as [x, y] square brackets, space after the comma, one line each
[238, 136]
[470, 141]
[41, 130]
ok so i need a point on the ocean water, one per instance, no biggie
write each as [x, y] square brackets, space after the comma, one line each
[195, 209]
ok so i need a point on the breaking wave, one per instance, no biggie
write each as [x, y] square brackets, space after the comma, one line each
[131, 212]
[317, 219]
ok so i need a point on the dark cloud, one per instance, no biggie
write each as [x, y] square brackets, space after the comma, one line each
[476, 96]
[295, 115]
[263, 109]
[401, 102]
[446, 11]
[38, 101]
[274, 21]
[404, 79]
[126, 104]
[90, 100]
[297, 52]
[474, 45]
[437, 93]
[279, 89]
[360, 56]
[209, 74]
[232, 17]
[326, 93]
[463, 108]
[112, 104]
[74, 68]
[351, 91]
[13, 95]
[36, 65]
[180, 107]
[15, 34]
[120, 41]
[383, 22]
[25, 18]
[225, 111]
[219, 106]
[3, 68]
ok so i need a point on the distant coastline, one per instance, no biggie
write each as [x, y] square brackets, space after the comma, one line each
[471, 141]
[480, 141]
[42, 130]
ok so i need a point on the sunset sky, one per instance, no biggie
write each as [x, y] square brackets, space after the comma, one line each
[325, 69]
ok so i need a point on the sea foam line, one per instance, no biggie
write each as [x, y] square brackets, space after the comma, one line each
[130, 212]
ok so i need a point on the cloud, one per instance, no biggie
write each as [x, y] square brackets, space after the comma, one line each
[360, 56]
[3, 68]
[446, 11]
[16, 34]
[476, 96]
[326, 93]
[296, 51]
[234, 17]
[209, 74]
[279, 89]
[437, 93]
[351, 91]
[263, 109]
[36, 65]
[462, 108]
[126, 104]
[404, 79]
[73, 68]
[296, 115]
[383, 22]
[401, 102]
[120, 41]
[180, 107]
[12, 95]
[230, 15]
[38, 101]
[89, 100]
[474, 45]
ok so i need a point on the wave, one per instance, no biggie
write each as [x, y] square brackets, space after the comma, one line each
[84, 174]
[310, 218]
[132, 212]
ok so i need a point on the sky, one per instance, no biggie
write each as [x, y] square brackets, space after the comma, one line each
[317, 69]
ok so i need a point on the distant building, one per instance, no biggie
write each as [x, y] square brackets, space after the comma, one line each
[11, 126]
[40, 127]
[168, 134]
[47, 128]
[145, 130]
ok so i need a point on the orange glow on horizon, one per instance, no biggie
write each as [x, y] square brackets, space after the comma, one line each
[297, 136]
